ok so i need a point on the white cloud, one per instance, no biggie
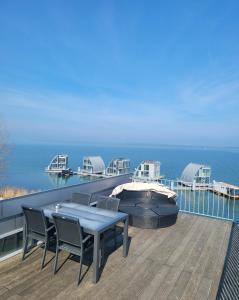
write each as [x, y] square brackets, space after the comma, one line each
[198, 97]
[67, 118]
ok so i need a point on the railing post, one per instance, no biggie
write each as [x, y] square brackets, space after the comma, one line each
[194, 185]
[233, 209]
[223, 206]
[172, 185]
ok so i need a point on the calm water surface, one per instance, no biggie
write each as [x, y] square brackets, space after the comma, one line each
[26, 163]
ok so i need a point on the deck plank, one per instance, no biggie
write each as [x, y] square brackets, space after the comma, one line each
[218, 267]
[183, 261]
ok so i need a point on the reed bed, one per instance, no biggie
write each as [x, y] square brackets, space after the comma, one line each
[11, 192]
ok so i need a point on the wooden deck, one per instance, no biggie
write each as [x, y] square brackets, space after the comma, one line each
[180, 262]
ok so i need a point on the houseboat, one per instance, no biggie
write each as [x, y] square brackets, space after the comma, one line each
[59, 165]
[92, 165]
[147, 171]
[195, 175]
[118, 166]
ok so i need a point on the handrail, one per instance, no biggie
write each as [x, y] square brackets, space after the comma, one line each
[203, 200]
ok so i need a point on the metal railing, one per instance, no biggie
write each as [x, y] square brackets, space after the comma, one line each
[201, 200]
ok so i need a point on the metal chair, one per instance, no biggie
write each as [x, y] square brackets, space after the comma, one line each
[81, 198]
[109, 203]
[70, 238]
[38, 228]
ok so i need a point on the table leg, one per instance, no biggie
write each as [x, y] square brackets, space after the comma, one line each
[24, 232]
[125, 240]
[96, 257]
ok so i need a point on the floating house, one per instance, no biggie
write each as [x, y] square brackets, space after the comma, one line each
[118, 166]
[195, 175]
[92, 165]
[148, 171]
[225, 189]
[58, 165]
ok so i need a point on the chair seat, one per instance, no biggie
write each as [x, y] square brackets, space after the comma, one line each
[75, 249]
[70, 248]
[37, 236]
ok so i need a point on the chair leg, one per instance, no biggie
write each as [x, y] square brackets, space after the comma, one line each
[56, 259]
[25, 248]
[44, 254]
[79, 276]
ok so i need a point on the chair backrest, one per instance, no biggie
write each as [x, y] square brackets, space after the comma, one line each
[81, 198]
[68, 229]
[35, 219]
[109, 203]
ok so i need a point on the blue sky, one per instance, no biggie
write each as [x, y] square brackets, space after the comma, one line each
[127, 72]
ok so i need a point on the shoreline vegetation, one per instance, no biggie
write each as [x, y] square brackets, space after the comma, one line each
[11, 192]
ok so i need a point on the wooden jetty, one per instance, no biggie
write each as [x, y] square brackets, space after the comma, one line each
[225, 189]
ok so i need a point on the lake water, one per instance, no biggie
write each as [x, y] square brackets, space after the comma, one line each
[26, 163]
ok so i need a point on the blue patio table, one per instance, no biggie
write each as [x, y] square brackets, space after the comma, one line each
[94, 221]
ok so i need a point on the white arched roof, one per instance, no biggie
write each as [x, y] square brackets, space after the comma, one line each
[97, 163]
[190, 171]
